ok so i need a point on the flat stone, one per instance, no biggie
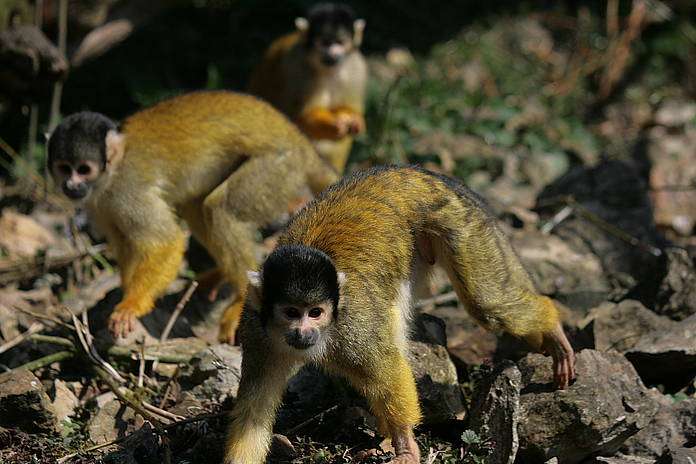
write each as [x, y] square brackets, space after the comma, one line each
[24, 403]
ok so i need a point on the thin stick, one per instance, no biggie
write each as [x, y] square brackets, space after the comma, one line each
[178, 309]
[85, 338]
[44, 317]
[58, 86]
[161, 412]
[47, 360]
[107, 378]
[33, 328]
[168, 387]
[310, 420]
[141, 365]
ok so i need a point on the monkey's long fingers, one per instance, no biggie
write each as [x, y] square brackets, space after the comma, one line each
[556, 344]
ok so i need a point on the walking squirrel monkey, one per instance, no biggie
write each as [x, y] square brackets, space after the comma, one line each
[337, 292]
[317, 76]
[224, 162]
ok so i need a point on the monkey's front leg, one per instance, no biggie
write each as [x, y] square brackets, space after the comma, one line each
[263, 382]
[151, 267]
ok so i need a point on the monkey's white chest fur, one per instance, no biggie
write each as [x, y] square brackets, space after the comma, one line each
[402, 308]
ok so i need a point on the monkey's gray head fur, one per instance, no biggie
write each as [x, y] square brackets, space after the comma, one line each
[298, 274]
[81, 136]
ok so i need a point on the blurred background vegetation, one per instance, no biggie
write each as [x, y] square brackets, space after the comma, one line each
[464, 87]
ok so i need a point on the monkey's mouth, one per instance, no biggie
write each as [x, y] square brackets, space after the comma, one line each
[328, 60]
[300, 343]
[76, 194]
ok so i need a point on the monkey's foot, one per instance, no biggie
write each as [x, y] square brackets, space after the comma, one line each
[228, 332]
[209, 282]
[406, 449]
[121, 323]
[556, 344]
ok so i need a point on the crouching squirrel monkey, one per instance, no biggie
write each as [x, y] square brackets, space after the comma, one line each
[224, 162]
[317, 76]
[337, 292]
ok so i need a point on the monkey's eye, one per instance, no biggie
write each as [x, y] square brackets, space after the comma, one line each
[84, 169]
[315, 312]
[65, 169]
[292, 313]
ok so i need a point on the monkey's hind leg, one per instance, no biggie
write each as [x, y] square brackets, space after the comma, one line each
[393, 398]
[492, 284]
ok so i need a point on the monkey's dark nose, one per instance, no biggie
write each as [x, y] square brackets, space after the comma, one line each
[302, 340]
[75, 192]
[329, 60]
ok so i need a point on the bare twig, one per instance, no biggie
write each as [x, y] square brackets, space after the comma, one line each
[85, 338]
[161, 412]
[141, 364]
[116, 389]
[168, 387]
[557, 218]
[47, 360]
[315, 417]
[58, 86]
[33, 328]
[177, 310]
[44, 317]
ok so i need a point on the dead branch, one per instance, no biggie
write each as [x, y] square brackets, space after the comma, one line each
[46, 360]
[23, 269]
[34, 328]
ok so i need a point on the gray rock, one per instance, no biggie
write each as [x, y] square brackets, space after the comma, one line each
[24, 403]
[495, 410]
[110, 421]
[620, 326]
[663, 351]
[623, 459]
[605, 406]
[671, 432]
[213, 374]
[64, 402]
[667, 357]
[436, 379]
[676, 297]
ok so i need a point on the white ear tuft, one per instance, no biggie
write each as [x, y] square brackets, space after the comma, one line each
[302, 24]
[358, 28]
[115, 147]
[47, 136]
[341, 279]
[254, 278]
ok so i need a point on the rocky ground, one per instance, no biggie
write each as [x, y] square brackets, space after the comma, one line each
[602, 214]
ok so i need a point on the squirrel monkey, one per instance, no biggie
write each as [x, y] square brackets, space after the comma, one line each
[337, 292]
[224, 162]
[317, 76]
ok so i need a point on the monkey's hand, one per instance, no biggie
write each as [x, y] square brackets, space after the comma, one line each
[209, 282]
[556, 344]
[350, 123]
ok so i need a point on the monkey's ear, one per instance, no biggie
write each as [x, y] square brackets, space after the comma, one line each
[302, 24]
[254, 278]
[115, 148]
[358, 28]
[47, 137]
[255, 283]
[341, 279]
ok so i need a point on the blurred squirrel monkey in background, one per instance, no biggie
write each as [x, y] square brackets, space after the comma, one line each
[224, 162]
[317, 76]
[337, 292]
